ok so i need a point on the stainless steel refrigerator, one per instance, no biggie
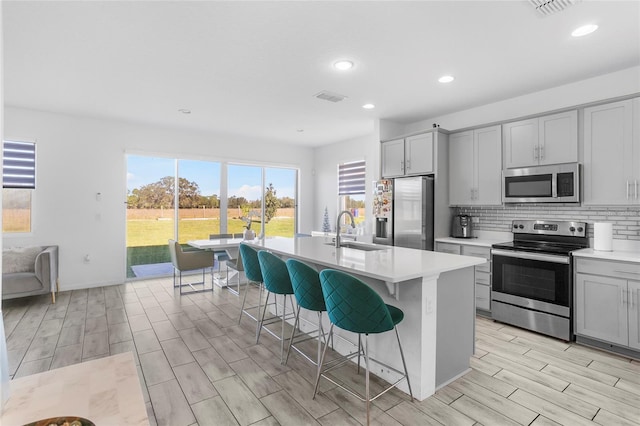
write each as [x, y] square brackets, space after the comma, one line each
[413, 212]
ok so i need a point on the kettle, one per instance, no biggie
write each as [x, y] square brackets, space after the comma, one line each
[462, 226]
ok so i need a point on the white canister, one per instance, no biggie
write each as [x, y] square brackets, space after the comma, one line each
[603, 236]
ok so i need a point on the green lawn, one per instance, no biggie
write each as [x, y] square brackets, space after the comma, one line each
[151, 232]
[147, 238]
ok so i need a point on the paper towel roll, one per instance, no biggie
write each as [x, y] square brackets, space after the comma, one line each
[603, 236]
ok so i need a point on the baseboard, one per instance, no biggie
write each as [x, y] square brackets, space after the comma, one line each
[608, 347]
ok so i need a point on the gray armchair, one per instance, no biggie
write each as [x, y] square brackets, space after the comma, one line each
[22, 275]
[190, 261]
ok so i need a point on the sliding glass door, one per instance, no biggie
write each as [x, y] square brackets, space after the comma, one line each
[280, 202]
[150, 215]
[244, 203]
[198, 200]
[259, 198]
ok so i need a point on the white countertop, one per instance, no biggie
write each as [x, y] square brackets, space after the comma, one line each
[106, 391]
[480, 242]
[617, 255]
[392, 264]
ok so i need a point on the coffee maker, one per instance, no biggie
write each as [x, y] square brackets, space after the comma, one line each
[462, 226]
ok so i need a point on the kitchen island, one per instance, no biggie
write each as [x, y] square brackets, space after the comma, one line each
[435, 291]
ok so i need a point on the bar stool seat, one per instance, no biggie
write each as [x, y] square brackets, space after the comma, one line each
[308, 293]
[354, 306]
[276, 280]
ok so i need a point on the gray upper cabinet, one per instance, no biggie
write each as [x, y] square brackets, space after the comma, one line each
[475, 167]
[409, 156]
[393, 158]
[550, 139]
[612, 153]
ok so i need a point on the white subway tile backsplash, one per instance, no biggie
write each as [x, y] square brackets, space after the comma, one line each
[626, 220]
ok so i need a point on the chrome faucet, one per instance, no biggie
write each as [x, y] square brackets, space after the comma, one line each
[353, 224]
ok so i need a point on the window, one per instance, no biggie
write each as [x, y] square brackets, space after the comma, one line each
[211, 198]
[351, 188]
[18, 181]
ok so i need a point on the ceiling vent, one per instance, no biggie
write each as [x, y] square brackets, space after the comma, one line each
[549, 7]
[331, 97]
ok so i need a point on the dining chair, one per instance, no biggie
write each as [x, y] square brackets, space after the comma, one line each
[190, 261]
[220, 255]
[354, 306]
[234, 264]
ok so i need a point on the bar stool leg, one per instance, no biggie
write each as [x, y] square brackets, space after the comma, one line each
[324, 352]
[320, 330]
[293, 332]
[284, 314]
[404, 364]
[366, 380]
[359, 350]
[244, 299]
[264, 311]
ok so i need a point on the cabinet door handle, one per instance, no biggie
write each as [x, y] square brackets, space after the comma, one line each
[622, 294]
[402, 169]
[635, 183]
[541, 151]
[627, 190]
[626, 272]
[535, 152]
[631, 297]
[408, 164]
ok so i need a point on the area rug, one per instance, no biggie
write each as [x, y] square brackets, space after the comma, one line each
[152, 270]
[161, 269]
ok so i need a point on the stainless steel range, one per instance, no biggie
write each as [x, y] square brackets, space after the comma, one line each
[532, 281]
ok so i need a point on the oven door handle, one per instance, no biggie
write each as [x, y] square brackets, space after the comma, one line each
[531, 256]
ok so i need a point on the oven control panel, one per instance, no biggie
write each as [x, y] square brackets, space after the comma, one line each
[549, 227]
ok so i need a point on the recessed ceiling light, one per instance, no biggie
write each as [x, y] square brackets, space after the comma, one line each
[446, 79]
[343, 65]
[184, 111]
[368, 106]
[584, 30]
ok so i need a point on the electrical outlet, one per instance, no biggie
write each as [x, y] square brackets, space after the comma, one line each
[429, 305]
[475, 220]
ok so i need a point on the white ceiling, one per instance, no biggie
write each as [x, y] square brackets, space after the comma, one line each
[252, 68]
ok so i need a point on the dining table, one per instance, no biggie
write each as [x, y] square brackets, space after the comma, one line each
[230, 245]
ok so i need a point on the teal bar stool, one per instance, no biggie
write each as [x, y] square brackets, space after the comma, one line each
[251, 266]
[306, 287]
[276, 280]
[354, 306]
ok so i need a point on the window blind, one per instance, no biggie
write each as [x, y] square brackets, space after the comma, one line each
[19, 165]
[351, 178]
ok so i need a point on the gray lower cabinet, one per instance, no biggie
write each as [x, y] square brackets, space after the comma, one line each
[607, 296]
[482, 272]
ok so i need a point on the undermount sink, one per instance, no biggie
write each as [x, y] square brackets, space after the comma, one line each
[360, 246]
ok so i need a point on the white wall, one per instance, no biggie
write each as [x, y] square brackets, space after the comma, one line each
[78, 157]
[4, 366]
[621, 83]
[326, 160]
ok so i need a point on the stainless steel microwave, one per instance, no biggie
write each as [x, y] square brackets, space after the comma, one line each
[558, 183]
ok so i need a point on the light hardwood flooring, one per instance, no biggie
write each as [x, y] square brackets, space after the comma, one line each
[198, 366]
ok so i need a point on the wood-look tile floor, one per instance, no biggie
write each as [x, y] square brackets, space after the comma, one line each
[198, 366]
